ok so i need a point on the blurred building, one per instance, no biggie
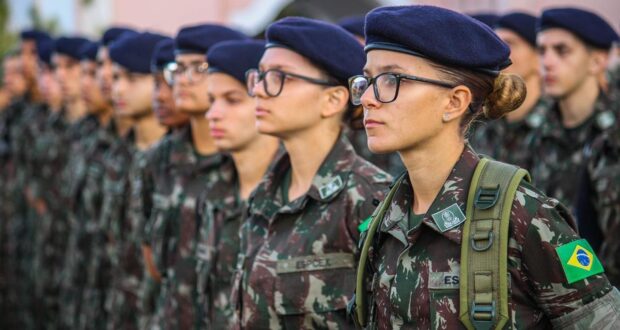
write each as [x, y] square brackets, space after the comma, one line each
[90, 17]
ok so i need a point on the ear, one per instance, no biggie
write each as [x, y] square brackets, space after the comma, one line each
[459, 99]
[598, 61]
[335, 101]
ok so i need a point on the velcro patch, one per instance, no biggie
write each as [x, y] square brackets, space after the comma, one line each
[315, 262]
[443, 280]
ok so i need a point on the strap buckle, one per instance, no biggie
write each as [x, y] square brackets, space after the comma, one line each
[489, 240]
[486, 198]
[482, 316]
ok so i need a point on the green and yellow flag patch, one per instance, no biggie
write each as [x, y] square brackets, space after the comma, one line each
[364, 225]
[578, 260]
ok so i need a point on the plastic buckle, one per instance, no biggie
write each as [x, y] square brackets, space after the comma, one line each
[489, 239]
[486, 197]
[483, 323]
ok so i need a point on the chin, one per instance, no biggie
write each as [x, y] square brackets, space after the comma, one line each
[378, 146]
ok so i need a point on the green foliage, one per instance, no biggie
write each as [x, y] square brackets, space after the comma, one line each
[7, 39]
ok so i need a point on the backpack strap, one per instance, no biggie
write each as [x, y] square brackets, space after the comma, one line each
[359, 298]
[484, 246]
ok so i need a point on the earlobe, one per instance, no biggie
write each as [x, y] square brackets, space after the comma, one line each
[336, 101]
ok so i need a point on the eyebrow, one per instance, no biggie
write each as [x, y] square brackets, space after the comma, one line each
[386, 68]
[273, 66]
[197, 62]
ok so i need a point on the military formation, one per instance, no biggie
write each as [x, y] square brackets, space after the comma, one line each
[416, 168]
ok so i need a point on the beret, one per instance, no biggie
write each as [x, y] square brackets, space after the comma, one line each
[134, 52]
[489, 19]
[442, 35]
[88, 51]
[328, 46]
[45, 50]
[70, 46]
[36, 35]
[162, 54]
[235, 57]
[353, 24]
[521, 23]
[586, 25]
[114, 33]
[197, 39]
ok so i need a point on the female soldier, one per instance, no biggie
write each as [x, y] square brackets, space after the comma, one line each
[427, 87]
[298, 246]
[233, 126]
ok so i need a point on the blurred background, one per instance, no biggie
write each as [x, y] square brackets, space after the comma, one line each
[90, 17]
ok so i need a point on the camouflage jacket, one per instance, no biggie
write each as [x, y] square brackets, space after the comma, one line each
[599, 202]
[510, 142]
[296, 267]
[558, 153]
[179, 178]
[415, 272]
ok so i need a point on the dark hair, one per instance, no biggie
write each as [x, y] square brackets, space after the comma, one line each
[492, 97]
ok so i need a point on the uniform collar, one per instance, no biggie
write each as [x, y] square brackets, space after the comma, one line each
[328, 182]
[453, 191]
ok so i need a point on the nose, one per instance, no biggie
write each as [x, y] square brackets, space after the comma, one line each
[215, 112]
[368, 99]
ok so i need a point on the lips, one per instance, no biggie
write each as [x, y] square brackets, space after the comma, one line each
[261, 112]
[217, 132]
[371, 123]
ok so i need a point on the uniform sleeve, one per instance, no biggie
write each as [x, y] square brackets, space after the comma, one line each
[587, 303]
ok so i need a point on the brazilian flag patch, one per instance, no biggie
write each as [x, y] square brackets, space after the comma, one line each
[578, 260]
[364, 225]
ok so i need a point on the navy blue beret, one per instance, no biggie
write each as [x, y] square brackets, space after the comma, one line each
[586, 25]
[162, 54]
[88, 51]
[114, 33]
[489, 19]
[133, 52]
[45, 50]
[328, 46]
[70, 46]
[36, 35]
[521, 23]
[197, 39]
[235, 57]
[353, 24]
[441, 35]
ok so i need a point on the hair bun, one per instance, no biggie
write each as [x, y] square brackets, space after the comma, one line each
[508, 94]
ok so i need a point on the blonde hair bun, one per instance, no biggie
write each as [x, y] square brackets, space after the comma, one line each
[508, 94]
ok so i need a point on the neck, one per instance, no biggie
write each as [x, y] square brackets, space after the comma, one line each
[123, 125]
[429, 166]
[105, 115]
[148, 131]
[252, 163]
[76, 109]
[577, 107]
[307, 151]
[531, 98]
[201, 135]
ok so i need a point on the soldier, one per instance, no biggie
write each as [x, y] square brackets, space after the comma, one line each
[573, 45]
[223, 208]
[390, 163]
[299, 244]
[132, 89]
[413, 272]
[142, 183]
[509, 138]
[185, 164]
[598, 202]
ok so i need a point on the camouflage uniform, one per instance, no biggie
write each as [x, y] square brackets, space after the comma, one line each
[180, 177]
[598, 207]
[82, 136]
[411, 263]
[390, 163]
[297, 263]
[510, 142]
[558, 153]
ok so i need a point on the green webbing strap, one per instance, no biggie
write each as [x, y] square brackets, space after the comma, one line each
[484, 245]
[360, 294]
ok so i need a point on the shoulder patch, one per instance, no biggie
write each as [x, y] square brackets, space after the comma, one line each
[578, 260]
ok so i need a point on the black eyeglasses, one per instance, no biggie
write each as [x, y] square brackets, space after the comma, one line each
[273, 80]
[385, 86]
[193, 72]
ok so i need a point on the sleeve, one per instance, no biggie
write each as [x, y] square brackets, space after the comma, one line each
[566, 290]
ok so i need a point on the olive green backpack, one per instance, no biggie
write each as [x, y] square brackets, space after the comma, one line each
[484, 247]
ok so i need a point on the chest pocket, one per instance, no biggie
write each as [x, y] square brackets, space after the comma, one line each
[314, 284]
[444, 300]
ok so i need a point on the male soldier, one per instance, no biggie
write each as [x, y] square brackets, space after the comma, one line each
[132, 93]
[573, 45]
[185, 163]
[508, 139]
[141, 201]
[390, 163]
